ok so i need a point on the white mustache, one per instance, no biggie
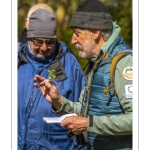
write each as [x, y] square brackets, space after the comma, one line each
[79, 47]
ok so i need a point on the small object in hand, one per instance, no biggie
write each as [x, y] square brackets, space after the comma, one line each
[51, 74]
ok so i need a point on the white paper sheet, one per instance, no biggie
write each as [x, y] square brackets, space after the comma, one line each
[57, 119]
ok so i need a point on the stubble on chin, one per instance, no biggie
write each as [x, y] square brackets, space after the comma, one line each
[80, 50]
[80, 54]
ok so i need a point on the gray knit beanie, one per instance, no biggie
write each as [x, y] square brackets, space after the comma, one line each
[42, 24]
[92, 14]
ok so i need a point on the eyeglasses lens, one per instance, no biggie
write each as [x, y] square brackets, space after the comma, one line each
[47, 42]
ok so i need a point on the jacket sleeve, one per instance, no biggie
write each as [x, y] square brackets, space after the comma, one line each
[69, 106]
[122, 124]
[75, 73]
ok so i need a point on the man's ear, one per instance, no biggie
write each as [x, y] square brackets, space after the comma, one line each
[96, 34]
[27, 23]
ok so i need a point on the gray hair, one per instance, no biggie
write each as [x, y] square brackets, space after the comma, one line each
[106, 33]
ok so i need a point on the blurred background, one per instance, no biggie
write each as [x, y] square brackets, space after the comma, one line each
[121, 12]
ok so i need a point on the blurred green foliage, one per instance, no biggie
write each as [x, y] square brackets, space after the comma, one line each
[121, 12]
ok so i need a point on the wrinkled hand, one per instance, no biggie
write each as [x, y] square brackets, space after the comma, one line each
[76, 124]
[49, 91]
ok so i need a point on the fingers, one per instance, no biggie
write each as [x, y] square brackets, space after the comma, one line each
[39, 78]
[39, 81]
[42, 89]
[66, 122]
[36, 85]
[47, 83]
[76, 124]
[42, 81]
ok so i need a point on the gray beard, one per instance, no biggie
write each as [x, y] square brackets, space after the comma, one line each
[30, 49]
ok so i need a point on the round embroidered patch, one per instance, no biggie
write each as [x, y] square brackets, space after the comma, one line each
[128, 73]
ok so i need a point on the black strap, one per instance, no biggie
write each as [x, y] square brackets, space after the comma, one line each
[90, 77]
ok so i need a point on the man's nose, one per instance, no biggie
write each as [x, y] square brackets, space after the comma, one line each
[73, 39]
[44, 46]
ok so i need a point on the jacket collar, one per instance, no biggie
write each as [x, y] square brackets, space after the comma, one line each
[112, 38]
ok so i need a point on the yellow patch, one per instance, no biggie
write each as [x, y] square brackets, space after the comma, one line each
[128, 73]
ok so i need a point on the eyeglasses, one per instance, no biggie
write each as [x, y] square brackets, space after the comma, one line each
[38, 42]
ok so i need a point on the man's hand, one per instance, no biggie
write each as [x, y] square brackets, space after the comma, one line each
[76, 124]
[49, 91]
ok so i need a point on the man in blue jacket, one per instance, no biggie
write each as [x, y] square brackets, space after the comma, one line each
[44, 52]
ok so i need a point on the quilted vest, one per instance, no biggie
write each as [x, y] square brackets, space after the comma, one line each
[102, 104]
